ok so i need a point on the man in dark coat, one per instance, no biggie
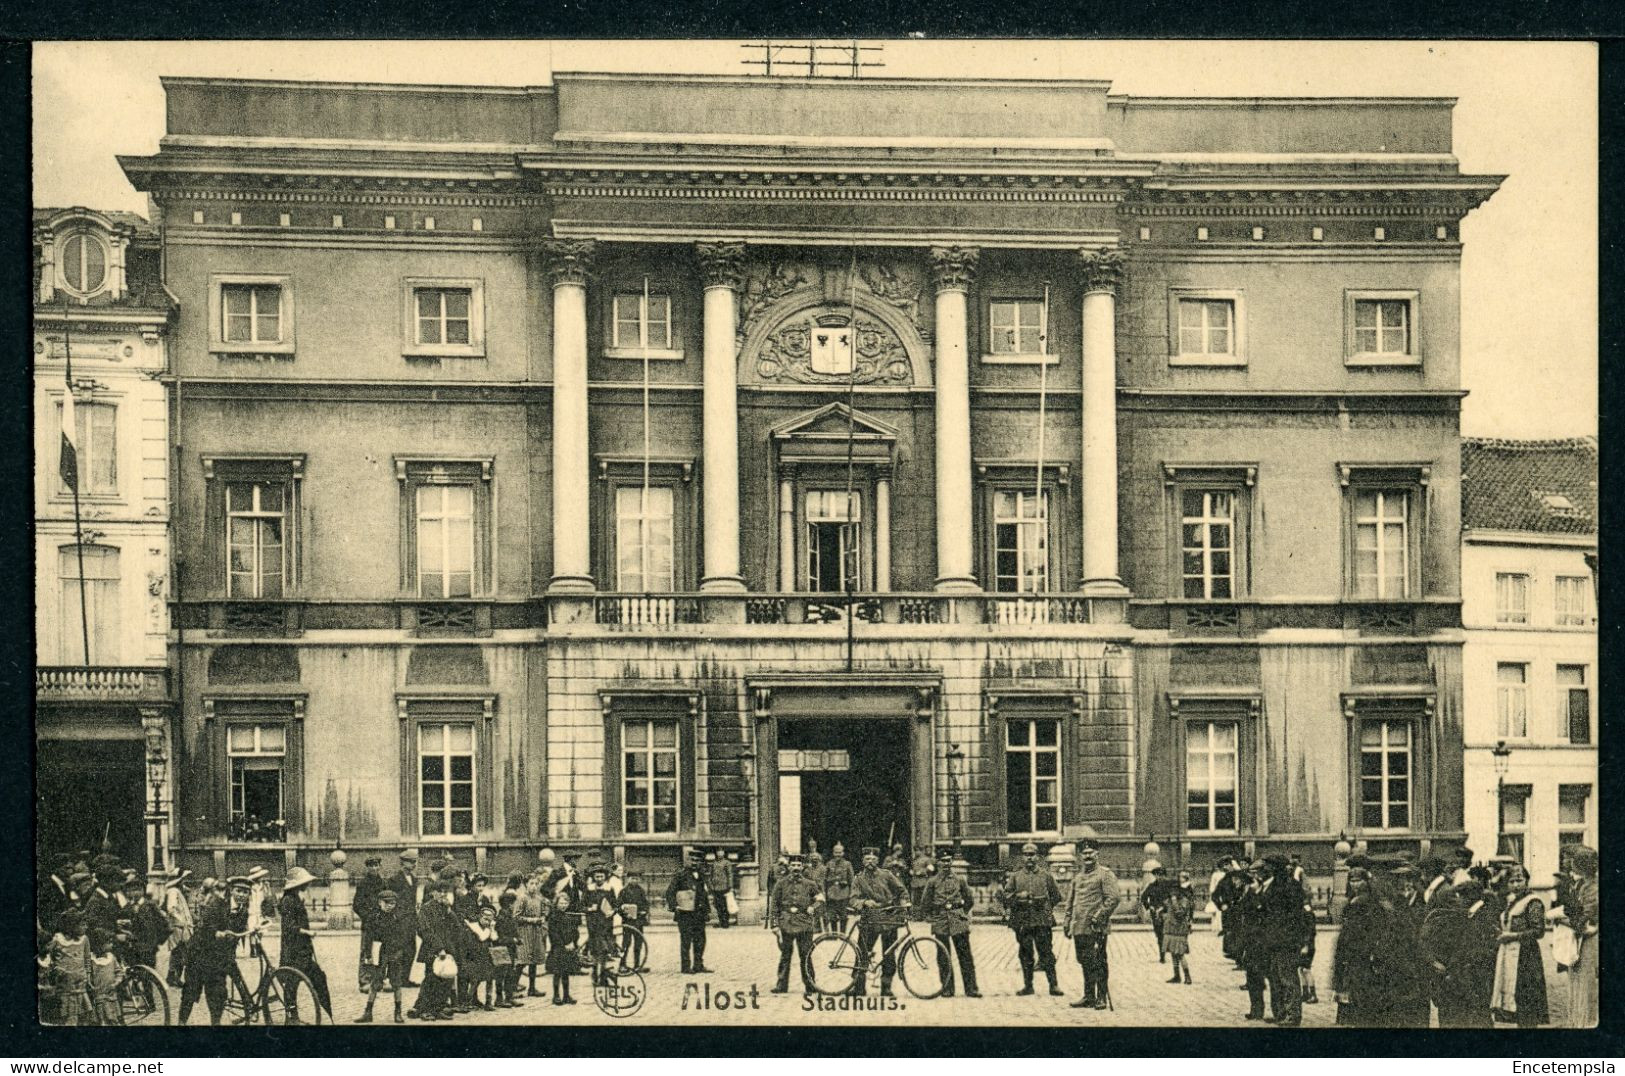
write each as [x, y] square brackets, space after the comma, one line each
[946, 902]
[1283, 936]
[386, 945]
[1472, 966]
[1244, 922]
[836, 876]
[1154, 899]
[1031, 895]
[792, 911]
[1440, 941]
[210, 957]
[1411, 973]
[404, 884]
[685, 899]
[365, 903]
[1355, 956]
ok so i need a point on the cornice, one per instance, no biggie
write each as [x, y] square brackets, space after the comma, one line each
[1325, 401]
[843, 235]
[347, 238]
[427, 193]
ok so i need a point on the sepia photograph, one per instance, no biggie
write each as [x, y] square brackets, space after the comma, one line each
[805, 533]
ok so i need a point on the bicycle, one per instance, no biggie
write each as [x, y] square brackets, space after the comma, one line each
[833, 961]
[143, 999]
[280, 996]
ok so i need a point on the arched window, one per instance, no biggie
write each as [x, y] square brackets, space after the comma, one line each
[84, 263]
[100, 609]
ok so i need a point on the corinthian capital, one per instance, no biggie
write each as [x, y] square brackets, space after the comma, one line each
[722, 263]
[1102, 269]
[569, 261]
[954, 268]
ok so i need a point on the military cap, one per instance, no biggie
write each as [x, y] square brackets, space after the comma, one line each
[1089, 844]
[1029, 849]
[869, 850]
[134, 882]
[945, 854]
[387, 894]
[239, 881]
[374, 861]
[598, 868]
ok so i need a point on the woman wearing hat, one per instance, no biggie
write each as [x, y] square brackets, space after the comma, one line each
[298, 947]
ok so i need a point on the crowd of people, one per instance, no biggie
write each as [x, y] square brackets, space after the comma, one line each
[1452, 941]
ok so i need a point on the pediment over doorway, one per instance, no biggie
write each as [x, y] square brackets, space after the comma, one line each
[821, 435]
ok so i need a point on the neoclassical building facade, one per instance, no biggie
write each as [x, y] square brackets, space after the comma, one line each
[647, 461]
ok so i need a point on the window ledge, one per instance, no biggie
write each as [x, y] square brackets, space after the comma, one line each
[263, 353]
[655, 354]
[1235, 361]
[1367, 358]
[1025, 358]
[453, 352]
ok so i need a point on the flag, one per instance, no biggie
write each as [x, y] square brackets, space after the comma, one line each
[69, 464]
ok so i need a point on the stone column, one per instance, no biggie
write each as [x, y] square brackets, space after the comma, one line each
[569, 263]
[720, 476]
[1101, 271]
[954, 269]
[787, 534]
[882, 535]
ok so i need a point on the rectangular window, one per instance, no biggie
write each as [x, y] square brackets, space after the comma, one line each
[251, 313]
[258, 756]
[1033, 775]
[1016, 327]
[1211, 776]
[445, 537]
[1207, 539]
[96, 443]
[1382, 543]
[446, 779]
[1514, 821]
[1573, 811]
[1207, 327]
[834, 528]
[1382, 327]
[1511, 598]
[1020, 541]
[1385, 774]
[444, 316]
[649, 776]
[639, 321]
[1511, 700]
[256, 539]
[1572, 600]
[94, 613]
[645, 558]
[1573, 704]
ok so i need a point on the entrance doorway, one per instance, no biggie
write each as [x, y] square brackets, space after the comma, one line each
[90, 790]
[843, 780]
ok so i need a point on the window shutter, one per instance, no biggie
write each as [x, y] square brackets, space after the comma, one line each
[1579, 716]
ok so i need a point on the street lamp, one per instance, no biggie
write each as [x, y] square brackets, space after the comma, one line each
[1503, 759]
[152, 730]
[955, 758]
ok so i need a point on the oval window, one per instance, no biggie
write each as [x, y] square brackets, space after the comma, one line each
[84, 264]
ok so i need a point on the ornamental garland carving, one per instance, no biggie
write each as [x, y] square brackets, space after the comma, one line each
[722, 264]
[788, 354]
[897, 282]
[767, 283]
[954, 267]
[569, 261]
[1102, 269]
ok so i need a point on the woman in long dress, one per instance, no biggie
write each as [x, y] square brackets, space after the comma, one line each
[1520, 974]
[1582, 916]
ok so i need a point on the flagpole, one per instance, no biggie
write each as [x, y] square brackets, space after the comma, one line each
[78, 523]
[1043, 371]
[852, 527]
[643, 509]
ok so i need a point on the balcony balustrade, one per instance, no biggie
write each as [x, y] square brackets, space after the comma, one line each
[100, 683]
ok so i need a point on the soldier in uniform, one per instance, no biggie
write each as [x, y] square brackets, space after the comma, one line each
[1087, 920]
[792, 912]
[837, 888]
[1031, 895]
[881, 900]
[685, 899]
[946, 902]
[815, 875]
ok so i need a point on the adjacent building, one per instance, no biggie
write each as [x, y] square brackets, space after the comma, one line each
[645, 461]
[1528, 560]
[101, 588]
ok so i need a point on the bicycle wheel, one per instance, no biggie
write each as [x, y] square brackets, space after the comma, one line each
[832, 964]
[143, 999]
[289, 998]
[633, 947]
[918, 964]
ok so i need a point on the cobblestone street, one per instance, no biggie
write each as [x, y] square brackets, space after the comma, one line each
[743, 958]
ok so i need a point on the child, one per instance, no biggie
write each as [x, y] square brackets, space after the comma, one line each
[1176, 926]
[531, 913]
[478, 966]
[104, 973]
[600, 919]
[563, 931]
[634, 913]
[69, 975]
[505, 952]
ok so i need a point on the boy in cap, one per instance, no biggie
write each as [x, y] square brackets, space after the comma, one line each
[946, 902]
[386, 946]
[1031, 895]
[404, 883]
[148, 927]
[365, 903]
[634, 900]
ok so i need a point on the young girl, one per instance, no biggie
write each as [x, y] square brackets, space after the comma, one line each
[504, 949]
[104, 979]
[479, 966]
[69, 975]
[531, 913]
[563, 932]
[600, 919]
[1176, 926]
